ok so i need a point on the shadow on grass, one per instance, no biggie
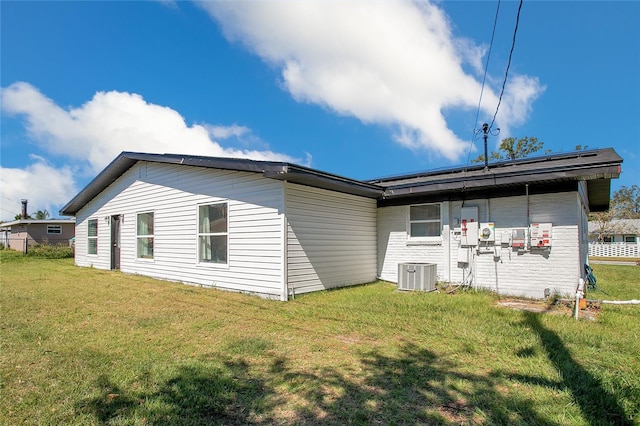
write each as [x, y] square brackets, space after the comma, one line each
[596, 404]
[195, 395]
[412, 386]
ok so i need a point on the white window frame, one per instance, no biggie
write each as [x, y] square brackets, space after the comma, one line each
[50, 229]
[431, 239]
[139, 236]
[92, 237]
[200, 234]
[630, 239]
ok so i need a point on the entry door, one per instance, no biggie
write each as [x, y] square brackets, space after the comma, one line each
[115, 242]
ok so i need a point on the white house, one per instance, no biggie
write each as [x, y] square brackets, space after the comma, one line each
[277, 229]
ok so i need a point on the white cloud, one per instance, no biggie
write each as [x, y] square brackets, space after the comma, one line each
[225, 132]
[93, 134]
[388, 62]
[40, 183]
[113, 122]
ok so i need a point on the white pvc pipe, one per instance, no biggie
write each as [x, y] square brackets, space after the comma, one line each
[621, 302]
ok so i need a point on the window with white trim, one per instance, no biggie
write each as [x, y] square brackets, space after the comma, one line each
[213, 235]
[92, 236]
[629, 238]
[54, 229]
[144, 235]
[424, 221]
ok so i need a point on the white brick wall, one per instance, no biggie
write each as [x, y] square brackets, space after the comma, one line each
[513, 273]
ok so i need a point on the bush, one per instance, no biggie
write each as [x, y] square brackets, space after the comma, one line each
[50, 251]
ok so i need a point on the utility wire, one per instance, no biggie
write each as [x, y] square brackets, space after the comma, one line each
[484, 78]
[506, 73]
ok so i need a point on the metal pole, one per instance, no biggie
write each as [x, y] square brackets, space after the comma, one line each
[485, 131]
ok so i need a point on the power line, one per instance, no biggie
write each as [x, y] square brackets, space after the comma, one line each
[484, 78]
[506, 73]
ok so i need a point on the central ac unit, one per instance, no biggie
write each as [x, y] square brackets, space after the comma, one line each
[417, 276]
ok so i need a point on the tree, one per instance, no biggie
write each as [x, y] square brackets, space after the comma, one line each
[626, 203]
[42, 215]
[510, 148]
[19, 216]
[605, 225]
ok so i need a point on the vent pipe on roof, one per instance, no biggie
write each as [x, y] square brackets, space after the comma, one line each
[23, 214]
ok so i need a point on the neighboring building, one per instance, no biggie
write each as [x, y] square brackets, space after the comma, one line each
[24, 233]
[278, 229]
[615, 238]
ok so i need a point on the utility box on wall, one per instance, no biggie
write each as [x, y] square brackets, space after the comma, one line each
[487, 232]
[519, 238]
[469, 226]
[541, 235]
[417, 276]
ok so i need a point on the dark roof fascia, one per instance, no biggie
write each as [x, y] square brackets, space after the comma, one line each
[504, 179]
[285, 171]
[543, 169]
[480, 193]
[270, 169]
[579, 165]
[571, 160]
[310, 177]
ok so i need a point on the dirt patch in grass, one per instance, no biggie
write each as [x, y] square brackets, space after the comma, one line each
[544, 307]
[456, 412]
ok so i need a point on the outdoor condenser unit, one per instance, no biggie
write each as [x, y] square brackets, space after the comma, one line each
[417, 276]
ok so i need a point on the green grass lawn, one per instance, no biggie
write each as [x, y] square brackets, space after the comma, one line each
[84, 346]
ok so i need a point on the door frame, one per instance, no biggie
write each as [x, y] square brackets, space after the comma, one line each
[115, 222]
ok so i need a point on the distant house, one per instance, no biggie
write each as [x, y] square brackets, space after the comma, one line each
[24, 233]
[616, 238]
[277, 229]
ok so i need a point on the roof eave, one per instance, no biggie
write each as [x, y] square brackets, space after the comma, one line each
[489, 181]
[314, 178]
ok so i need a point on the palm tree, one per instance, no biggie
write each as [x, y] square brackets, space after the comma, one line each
[42, 215]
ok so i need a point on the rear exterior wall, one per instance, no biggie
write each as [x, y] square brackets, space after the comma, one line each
[331, 239]
[173, 193]
[502, 269]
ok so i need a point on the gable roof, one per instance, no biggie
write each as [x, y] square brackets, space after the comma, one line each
[270, 169]
[546, 173]
[549, 173]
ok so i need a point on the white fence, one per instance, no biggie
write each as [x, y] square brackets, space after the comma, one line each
[614, 249]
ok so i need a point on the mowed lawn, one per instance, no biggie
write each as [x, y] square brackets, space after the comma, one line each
[84, 346]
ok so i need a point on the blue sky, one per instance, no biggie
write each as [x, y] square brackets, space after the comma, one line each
[360, 89]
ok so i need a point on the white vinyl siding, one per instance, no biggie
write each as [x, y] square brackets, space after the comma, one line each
[173, 193]
[331, 239]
